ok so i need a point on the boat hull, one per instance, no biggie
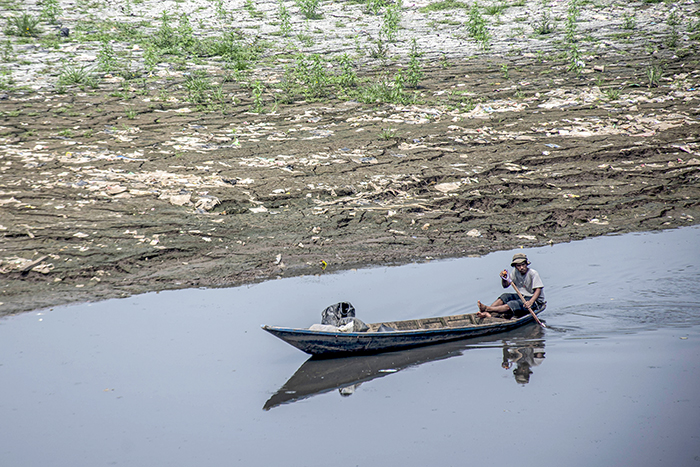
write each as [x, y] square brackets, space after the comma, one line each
[325, 343]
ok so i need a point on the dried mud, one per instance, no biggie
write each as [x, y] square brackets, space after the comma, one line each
[173, 197]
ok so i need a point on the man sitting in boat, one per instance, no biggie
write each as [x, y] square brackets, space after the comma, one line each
[527, 280]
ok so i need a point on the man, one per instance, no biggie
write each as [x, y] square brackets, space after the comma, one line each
[509, 304]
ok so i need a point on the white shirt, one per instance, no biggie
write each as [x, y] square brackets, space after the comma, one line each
[528, 283]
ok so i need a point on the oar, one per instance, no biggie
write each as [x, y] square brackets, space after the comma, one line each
[528, 308]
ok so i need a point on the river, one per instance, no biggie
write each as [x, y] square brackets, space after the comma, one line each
[186, 378]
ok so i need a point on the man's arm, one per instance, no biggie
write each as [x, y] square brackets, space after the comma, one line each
[534, 297]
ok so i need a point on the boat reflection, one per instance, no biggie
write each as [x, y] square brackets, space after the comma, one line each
[523, 349]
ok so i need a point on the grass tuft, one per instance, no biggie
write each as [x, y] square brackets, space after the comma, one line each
[25, 25]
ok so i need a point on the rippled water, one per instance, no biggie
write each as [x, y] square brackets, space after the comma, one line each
[188, 377]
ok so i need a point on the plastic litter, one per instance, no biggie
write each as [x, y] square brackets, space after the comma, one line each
[342, 317]
[334, 314]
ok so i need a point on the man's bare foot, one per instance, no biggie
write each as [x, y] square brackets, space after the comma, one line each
[482, 313]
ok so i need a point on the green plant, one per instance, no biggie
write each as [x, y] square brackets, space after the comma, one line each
[126, 7]
[309, 8]
[230, 47]
[316, 80]
[80, 76]
[218, 95]
[220, 10]
[504, 71]
[288, 85]
[257, 89]
[387, 133]
[250, 8]
[106, 57]
[494, 10]
[576, 64]
[25, 25]
[151, 58]
[476, 26]
[8, 53]
[50, 9]
[347, 77]
[673, 19]
[544, 24]
[230, 76]
[379, 50]
[198, 86]
[443, 60]
[384, 90]
[653, 73]
[306, 39]
[397, 94]
[444, 5]
[374, 7]
[310, 75]
[185, 33]
[163, 95]
[573, 11]
[165, 37]
[629, 21]
[391, 20]
[67, 133]
[672, 39]
[612, 94]
[120, 94]
[130, 114]
[6, 80]
[415, 71]
[694, 30]
[285, 19]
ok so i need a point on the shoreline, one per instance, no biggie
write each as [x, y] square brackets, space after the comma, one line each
[198, 174]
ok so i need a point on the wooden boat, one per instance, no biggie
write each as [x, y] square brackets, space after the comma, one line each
[401, 334]
[319, 375]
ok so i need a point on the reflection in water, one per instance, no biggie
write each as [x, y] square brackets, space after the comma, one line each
[524, 357]
[523, 348]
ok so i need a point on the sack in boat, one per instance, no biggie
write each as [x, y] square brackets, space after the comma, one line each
[353, 325]
[348, 325]
[334, 314]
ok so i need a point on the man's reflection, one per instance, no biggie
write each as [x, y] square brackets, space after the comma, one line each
[524, 358]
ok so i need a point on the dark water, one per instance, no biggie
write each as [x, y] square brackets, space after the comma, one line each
[188, 378]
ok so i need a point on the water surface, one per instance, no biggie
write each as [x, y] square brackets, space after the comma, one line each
[188, 378]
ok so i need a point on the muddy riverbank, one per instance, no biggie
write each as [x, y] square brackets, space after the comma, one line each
[134, 184]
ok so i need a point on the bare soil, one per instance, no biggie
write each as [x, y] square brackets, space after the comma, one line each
[97, 203]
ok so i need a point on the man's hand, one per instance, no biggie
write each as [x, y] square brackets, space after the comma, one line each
[505, 278]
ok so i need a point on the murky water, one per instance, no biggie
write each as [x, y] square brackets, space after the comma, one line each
[188, 378]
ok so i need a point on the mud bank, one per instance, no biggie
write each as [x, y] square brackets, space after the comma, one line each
[130, 187]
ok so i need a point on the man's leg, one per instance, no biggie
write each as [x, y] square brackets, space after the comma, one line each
[496, 307]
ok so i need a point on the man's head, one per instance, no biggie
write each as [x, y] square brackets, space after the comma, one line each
[520, 262]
